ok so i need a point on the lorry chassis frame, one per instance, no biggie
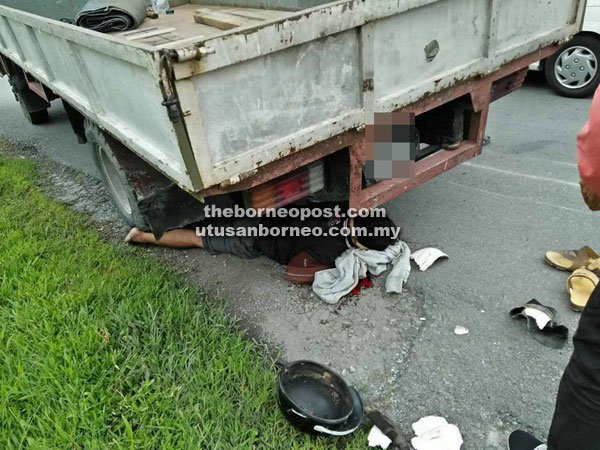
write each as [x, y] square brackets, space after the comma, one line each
[482, 91]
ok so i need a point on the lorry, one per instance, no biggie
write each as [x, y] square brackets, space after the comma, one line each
[266, 102]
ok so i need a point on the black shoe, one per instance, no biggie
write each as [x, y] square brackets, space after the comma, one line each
[521, 440]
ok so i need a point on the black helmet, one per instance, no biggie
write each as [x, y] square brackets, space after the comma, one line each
[317, 400]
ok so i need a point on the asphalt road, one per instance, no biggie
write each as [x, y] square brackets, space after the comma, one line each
[494, 216]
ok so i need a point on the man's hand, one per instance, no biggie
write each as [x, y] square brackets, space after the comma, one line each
[590, 197]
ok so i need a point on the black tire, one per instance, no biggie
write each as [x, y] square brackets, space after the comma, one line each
[589, 43]
[36, 117]
[114, 177]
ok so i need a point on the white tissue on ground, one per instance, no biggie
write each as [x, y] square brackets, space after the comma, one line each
[426, 257]
[460, 330]
[435, 433]
[377, 438]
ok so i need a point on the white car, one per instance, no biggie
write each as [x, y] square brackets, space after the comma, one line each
[573, 71]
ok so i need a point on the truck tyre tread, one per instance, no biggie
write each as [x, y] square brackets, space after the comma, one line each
[121, 193]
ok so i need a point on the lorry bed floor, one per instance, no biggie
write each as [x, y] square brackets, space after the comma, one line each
[181, 26]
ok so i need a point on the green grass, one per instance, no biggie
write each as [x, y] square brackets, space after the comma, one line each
[104, 347]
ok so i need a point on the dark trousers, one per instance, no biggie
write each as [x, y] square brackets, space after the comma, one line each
[576, 423]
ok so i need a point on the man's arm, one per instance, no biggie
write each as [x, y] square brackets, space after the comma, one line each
[588, 149]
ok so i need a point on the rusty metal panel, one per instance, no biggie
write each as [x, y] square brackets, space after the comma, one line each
[428, 47]
[257, 98]
[251, 112]
[521, 21]
[113, 82]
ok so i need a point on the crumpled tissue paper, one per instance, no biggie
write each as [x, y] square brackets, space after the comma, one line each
[377, 438]
[435, 433]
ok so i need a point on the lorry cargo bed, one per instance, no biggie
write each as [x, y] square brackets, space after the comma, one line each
[172, 30]
[208, 107]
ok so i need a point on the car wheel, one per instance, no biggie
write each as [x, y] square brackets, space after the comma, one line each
[573, 71]
[115, 179]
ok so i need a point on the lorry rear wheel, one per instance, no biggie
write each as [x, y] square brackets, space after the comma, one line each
[115, 179]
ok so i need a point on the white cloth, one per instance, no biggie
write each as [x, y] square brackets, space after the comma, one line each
[426, 257]
[377, 438]
[351, 266]
[435, 433]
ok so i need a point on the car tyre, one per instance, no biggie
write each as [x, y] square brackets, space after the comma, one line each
[574, 70]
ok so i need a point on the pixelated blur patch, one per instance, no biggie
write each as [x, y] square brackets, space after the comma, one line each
[391, 146]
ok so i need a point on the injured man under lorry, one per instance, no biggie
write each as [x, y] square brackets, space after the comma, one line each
[305, 246]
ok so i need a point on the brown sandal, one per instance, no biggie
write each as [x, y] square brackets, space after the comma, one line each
[572, 259]
[580, 286]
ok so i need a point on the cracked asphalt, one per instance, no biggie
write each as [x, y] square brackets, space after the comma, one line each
[495, 216]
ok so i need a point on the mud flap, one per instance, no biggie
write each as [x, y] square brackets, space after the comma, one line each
[160, 202]
[34, 107]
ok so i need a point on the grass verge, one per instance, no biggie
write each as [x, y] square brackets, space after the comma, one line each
[102, 346]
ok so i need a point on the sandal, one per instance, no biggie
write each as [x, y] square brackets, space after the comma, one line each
[572, 259]
[580, 286]
[541, 324]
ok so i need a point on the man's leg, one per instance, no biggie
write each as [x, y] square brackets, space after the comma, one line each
[174, 238]
[233, 245]
[576, 423]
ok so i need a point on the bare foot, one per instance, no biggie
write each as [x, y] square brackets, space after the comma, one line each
[132, 235]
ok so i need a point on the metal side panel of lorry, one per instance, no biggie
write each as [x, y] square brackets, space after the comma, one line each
[259, 94]
[255, 94]
[114, 83]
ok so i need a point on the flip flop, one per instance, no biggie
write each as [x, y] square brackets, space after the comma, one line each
[572, 259]
[580, 286]
[541, 324]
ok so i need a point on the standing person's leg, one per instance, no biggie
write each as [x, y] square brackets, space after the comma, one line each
[576, 423]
